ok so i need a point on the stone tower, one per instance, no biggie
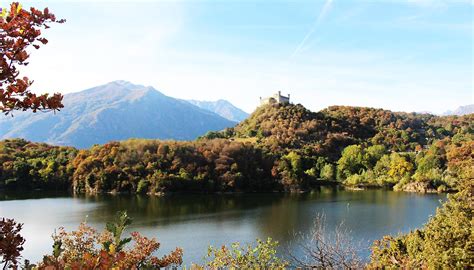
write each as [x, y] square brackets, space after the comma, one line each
[277, 98]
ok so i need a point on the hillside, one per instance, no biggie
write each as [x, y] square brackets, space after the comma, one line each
[223, 108]
[283, 128]
[115, 111]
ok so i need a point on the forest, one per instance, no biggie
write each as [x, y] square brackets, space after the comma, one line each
[278, 148]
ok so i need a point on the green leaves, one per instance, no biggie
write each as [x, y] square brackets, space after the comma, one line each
[259, 256]
[57, 248]
[116, 228]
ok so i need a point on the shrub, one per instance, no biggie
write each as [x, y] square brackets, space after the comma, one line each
[326, 249]
[328, 172]
[444, 243]
[87, 249]
[261, 256]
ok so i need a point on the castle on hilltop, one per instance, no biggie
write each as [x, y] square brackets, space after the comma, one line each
[275, 99]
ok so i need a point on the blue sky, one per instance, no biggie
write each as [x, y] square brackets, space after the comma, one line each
[401, 55]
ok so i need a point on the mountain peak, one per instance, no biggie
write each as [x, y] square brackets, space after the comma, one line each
[121, 82]
[126, 85]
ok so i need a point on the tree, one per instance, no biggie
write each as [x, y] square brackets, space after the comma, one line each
[373, 154]
[399, 166]
[392, 169]
[19, 31]
[351, 161]
[327, 172]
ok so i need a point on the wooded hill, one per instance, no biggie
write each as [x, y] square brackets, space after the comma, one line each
[278, 148]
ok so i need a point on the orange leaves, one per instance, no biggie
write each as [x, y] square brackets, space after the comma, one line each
[85, 248]
[20, 29]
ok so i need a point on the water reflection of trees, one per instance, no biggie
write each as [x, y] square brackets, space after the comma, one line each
[381, 211]
[176, 208]
[279, 216]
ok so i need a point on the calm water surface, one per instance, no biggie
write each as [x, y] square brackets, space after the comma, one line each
[195, 221]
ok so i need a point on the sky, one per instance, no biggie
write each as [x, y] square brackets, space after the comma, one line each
[402, 55]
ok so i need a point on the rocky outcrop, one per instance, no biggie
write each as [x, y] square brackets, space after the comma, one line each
[419, 187]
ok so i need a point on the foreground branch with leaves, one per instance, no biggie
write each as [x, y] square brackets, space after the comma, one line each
[20, 30]
[11, 242]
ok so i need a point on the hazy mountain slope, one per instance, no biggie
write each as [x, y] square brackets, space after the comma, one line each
[461, 110]
[114, 111]
[223, 108]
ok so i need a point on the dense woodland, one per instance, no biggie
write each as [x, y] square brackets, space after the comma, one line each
[278, 148]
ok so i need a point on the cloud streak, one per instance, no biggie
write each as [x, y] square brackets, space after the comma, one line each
[321, 16]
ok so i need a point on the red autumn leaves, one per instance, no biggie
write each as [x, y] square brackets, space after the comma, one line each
[20, 30]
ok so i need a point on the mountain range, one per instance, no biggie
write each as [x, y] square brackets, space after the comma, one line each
[223, 108]
[117, 111]
[461, 110]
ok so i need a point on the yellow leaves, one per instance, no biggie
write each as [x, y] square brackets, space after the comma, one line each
[4, 12]
[112, 249]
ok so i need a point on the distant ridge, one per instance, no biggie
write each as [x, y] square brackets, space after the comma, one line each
[461, 110]
[114, 111]
[223, 108]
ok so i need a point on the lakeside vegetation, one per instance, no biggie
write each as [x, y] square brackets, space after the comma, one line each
[278, 148]
[444, 242]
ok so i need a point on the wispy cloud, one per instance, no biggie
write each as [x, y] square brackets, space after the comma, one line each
[322, 14]
[439, 3]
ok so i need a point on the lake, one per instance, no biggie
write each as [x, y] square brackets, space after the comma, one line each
[194, 221]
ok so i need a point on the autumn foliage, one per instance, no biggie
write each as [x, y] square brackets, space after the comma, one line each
[11, 242]
[20, 30]
[86, 248]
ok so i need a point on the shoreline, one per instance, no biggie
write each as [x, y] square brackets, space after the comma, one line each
[313, 187]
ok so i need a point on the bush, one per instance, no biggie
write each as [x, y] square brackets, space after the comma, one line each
[87, 249]
[261, 256]
[142, 186]
[326, 249]
[328, 172]
[444, 243]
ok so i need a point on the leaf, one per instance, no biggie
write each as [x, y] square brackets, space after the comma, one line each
[111, 227]
[124, 241]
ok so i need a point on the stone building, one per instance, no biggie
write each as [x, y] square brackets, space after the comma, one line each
[275, 99]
